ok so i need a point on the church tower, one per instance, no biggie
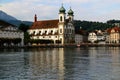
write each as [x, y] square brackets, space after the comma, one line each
[61, 24]
[70, 15]
[62, 15]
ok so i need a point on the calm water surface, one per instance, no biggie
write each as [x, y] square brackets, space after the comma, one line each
[92, 63]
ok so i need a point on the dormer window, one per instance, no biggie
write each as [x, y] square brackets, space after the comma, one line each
[39, 32]
[51, 31]
[33, 32]
[45, 32]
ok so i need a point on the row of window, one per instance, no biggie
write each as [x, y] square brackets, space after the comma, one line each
[69, 31]
[10, 34]
[47, 37]
[43, 32]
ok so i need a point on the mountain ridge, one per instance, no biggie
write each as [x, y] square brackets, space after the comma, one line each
[12, 20]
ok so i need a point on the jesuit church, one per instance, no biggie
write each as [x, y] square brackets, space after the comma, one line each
[60, 30]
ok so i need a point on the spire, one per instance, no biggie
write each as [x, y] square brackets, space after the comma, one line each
[35, 18]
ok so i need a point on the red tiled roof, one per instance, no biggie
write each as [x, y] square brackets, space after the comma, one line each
[45, 24]
[117, 29]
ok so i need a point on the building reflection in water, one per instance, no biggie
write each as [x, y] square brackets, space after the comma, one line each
[91, 63]
[48, 64]
[76, 64]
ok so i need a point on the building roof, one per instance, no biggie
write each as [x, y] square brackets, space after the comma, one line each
[116, 29]
[70, 12]
[62, 9]
[5, 26]
[45, 24]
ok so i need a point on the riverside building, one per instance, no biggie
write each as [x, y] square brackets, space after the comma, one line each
[59, 30]
[10, 35]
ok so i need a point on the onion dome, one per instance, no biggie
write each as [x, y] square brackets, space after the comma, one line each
[70, 12]
[62, 9]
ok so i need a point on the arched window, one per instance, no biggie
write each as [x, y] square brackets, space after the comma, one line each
[60, 30]
[39, 32]
[70, 19]
[60, 18]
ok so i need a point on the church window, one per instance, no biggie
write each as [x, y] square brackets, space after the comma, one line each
[60, 18]
[60, 30]
[65, 30]
[70, 19]
[70, 30]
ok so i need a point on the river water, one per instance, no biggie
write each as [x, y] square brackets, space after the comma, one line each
[91, 63]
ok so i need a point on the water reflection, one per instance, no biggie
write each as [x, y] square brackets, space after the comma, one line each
[48, 64]
[76, 64]
[90, 63]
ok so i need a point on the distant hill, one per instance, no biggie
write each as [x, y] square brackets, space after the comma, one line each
[10, 19]
[90, 26]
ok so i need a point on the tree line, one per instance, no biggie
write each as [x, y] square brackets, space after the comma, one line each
[90, 26]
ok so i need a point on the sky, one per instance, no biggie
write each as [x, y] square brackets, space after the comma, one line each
[89, 10]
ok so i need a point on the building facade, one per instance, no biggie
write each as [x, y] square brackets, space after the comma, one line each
[60, 31]
[92, 37]
[113, 35]
[10, 35]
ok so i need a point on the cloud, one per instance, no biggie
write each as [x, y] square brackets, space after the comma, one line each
[26, 10]
[95, 10]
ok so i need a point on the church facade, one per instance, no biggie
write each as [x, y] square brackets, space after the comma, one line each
[60, 31]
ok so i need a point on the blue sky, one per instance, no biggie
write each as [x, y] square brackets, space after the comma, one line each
[90, 10]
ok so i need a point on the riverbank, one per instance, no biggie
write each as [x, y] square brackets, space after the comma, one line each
[99, 45]
[63, 46]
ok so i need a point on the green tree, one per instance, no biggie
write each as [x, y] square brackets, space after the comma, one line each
[23, 27]
[90, 26]
[26, 38]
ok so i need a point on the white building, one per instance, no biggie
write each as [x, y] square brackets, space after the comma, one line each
[92, 37]
[10, 35]
[59, 30]
[101, 37]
